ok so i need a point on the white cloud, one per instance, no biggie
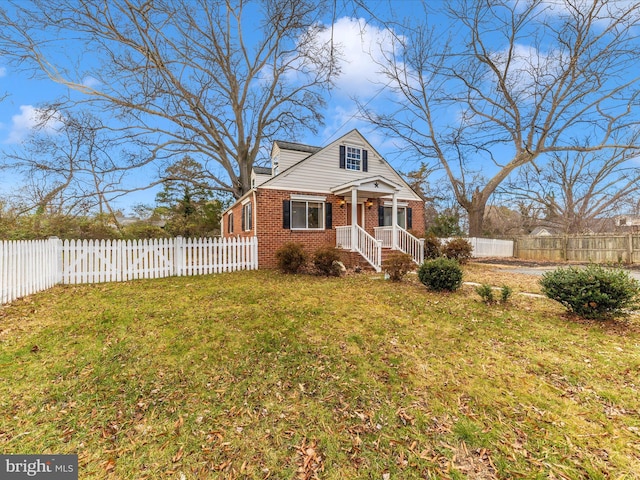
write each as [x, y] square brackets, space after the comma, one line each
[529, 69]
[90, 82]
[3, 72]
[609, 11]
[362, 47]
[31, 118]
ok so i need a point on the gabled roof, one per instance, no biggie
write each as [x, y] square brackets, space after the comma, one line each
[319, 170]
[298, 147]
[378, 182]
[262, 170]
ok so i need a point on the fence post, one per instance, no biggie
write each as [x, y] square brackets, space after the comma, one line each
[178, 255]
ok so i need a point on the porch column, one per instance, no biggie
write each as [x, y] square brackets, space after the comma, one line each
[394, 222]
[354, 218]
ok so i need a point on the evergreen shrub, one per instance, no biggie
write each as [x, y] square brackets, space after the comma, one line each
[441, 274]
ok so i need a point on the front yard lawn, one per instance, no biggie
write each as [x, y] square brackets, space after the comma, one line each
[259, 375]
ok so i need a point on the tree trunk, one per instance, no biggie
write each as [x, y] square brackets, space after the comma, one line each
[476, 217]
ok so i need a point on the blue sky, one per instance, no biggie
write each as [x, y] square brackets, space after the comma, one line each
[359, 78]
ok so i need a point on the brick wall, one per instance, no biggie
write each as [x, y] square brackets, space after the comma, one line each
[271, 235]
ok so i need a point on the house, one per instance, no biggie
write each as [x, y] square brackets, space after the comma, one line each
[344, 194]
[628, 222]
[542, 232]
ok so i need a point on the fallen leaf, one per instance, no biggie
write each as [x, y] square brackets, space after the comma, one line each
[178, 456]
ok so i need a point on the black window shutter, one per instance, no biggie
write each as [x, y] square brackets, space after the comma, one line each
[242, 219]
[328, 216]
[286, 214]
[365, 161]
[343, 155]
[381, 216]
[409, 218]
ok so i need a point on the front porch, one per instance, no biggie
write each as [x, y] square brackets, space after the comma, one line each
[371, 247]
[390, 233]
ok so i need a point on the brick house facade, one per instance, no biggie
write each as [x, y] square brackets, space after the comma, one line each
[309, 193]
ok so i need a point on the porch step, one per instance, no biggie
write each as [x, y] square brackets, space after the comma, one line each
[353, 259]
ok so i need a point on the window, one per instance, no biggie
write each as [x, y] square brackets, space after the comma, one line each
[230, 223]
[307, 214]
[354, 156]
[247, 221]
[402, 217]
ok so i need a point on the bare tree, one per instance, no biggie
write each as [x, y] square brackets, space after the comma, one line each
[504, 84]
[578, 190]
[213, 79]
[70, 165]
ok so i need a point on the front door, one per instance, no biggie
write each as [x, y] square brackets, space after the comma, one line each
[360, 209]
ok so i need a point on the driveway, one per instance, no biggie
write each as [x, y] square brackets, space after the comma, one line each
[541, 270]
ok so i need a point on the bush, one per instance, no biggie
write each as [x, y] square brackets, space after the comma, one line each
[505, 293]
[291, 257]
[441, 274]
[432, 246]
[486, 293]
[327, 261]
[398, 265]
[593, 292]
[458, 249]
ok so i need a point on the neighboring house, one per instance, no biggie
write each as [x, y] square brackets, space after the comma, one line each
[628, 221]
[542, 232]
[344, 194]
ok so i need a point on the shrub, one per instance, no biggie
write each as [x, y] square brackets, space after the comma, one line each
[458, 249]
[441, 274]
[486, 293]
[398, 265]
[593, 292]
[432, 246]
[327, 261]
[505, 293]
[291, 257]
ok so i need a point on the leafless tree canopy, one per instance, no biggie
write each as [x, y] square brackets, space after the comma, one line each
[214, 79]
[70, 166]
[576, 190]
[508, 83]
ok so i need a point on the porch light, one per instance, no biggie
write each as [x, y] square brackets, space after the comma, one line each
[342, 202]
[369, 203]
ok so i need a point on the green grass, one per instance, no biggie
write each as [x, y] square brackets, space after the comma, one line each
[261, 375]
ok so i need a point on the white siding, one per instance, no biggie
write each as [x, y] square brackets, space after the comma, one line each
[287, 158]
[322, 171]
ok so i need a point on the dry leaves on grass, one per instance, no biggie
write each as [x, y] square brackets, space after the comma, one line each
[310, 461]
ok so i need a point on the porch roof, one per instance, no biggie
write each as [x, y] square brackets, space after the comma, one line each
[373, 186]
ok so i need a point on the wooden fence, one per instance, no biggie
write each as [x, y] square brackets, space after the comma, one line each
[600, 248]
[27, 267]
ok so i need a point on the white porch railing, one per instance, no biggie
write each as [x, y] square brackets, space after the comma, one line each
[367, 246]
[406, 242]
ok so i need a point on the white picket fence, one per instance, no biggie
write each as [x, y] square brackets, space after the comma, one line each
[28, 267]
[487, 247]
